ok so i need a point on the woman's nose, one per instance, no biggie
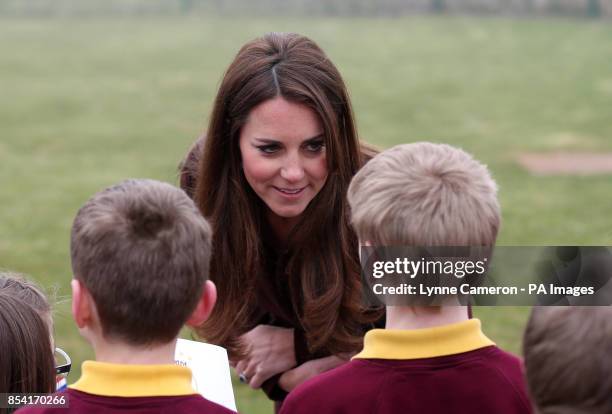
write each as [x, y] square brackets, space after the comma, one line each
[292, 170]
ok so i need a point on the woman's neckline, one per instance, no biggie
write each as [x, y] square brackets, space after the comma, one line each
[281, 228]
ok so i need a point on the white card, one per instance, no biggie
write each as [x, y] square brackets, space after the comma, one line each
[210, 369]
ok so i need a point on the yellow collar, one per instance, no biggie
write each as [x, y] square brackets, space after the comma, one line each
[119, 380]
[443, 340]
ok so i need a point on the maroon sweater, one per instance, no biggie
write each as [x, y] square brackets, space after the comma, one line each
[385, 379]
[81, 402]
[136, 389]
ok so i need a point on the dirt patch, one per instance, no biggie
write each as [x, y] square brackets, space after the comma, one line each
[566, 163]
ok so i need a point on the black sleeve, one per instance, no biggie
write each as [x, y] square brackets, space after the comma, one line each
[271, 387]
[300, 346]
[273, 390]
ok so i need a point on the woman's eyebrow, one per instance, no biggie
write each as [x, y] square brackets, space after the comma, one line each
[317, 138]
[274, 141]
[267, 141]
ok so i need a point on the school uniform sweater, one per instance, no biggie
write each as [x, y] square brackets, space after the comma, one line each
[142, 389]
[448, 369]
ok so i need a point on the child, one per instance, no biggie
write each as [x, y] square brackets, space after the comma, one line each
[428, 359]
[568, 359]
[26, 358]
[188, 167]
[140, 253]
[18, 286]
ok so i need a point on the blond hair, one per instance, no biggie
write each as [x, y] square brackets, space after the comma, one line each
[425, 194]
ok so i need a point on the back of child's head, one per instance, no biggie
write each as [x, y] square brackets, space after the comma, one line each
[142, 250]
[188, 167]
[568, 359]
[26, 358]
[424, 194]
[17, 285]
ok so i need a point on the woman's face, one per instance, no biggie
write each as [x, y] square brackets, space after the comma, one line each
[283, 155]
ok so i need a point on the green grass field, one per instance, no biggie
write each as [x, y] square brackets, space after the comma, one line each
[87, 103]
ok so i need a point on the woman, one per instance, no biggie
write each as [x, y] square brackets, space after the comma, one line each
[272, 175]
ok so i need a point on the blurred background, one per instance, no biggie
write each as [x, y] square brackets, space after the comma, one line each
[367, 8]
[93, 92]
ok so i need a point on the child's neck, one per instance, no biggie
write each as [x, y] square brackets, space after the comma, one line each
[420, 317]
[121, 353]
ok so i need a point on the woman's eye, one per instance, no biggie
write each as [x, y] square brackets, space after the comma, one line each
[268, 149]
[316, 146]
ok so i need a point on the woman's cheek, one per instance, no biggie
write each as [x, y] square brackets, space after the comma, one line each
[318, 169]
[259, 169]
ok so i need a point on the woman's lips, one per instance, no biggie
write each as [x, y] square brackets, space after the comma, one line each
[290, 192]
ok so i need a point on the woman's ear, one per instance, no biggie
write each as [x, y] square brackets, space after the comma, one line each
[205, 305]
[81, 304]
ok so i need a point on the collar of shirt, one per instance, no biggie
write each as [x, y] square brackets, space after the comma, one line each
[118, 380]
[433, 342]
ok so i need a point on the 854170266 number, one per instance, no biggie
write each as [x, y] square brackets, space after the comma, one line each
[33, 400]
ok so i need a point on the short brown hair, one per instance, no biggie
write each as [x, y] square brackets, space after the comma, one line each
[142, 249]
[425, 194]
[188, 167]
[26, 364]
[568, 359]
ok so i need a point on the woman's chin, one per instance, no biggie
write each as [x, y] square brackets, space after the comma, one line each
[287, 213]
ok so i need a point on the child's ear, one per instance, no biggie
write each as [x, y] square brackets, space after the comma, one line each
[205, 305]
[81, 304]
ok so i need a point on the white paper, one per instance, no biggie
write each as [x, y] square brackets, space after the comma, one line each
[210, 368]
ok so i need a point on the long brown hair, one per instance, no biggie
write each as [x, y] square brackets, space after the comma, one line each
[322, 271]
[26, 362]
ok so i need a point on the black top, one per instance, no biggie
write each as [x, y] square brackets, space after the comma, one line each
[275, 307]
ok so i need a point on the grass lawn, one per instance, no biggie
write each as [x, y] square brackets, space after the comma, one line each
[86, 103]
